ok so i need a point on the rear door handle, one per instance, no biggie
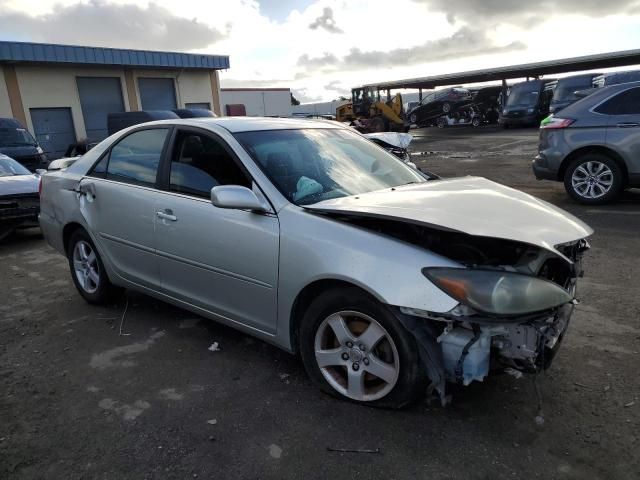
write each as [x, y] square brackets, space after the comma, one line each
[167, 214]
[628, 125]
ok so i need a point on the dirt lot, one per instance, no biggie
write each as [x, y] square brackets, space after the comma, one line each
[79, 400]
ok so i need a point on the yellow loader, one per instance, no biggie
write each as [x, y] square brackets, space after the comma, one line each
[369, 114]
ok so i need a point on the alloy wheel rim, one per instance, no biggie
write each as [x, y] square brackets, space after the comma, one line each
[592, 179]
[85, 266]
[357, 356]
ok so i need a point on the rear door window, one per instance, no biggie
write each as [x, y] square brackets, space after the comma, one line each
[624, 103]
[135, 158]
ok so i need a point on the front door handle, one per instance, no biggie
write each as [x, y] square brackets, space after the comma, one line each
[167, 214]
[628, 125]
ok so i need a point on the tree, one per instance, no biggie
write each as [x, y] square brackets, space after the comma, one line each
[294, 100]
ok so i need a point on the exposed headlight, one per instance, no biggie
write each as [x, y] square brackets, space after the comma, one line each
[496, 292]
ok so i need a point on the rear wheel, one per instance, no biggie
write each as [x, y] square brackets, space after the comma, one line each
[441, 122]
[475, 121]
[354, 348]
[593, 179]
[87, 270]
[446, 107]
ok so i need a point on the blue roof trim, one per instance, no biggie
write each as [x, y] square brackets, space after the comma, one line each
[49, 53]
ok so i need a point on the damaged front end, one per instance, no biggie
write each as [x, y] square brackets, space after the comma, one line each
[515, 303]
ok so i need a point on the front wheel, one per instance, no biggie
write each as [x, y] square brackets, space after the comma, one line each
[593, 179]
[354, 348]
[87, 270]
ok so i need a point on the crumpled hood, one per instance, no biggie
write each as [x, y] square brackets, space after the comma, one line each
[471, 205]
[394, 139]
[19, 184]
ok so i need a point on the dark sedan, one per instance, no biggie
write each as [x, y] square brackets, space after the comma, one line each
[17, 143]
[438, 103]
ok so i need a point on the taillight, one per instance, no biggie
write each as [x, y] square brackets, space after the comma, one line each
[555, 122]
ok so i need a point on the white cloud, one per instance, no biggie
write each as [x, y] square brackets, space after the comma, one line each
[380, 40]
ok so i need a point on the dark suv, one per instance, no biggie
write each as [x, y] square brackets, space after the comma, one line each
[527, 103]
[16, 142]
[440, 102]
[564, 91]
[593, 145]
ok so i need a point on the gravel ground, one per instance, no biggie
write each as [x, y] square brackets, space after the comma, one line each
[79, 400]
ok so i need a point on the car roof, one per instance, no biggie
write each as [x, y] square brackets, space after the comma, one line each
[252, 124]
[7, 122]
[579, 77]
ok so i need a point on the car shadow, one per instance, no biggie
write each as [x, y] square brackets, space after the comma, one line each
[32, 235]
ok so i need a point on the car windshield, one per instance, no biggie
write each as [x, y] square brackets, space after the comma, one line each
[524, 95]
[311, 165]
[9, 168]
[565, 90]
[15, 137]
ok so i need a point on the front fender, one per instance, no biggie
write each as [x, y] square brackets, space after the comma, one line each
[315, 247]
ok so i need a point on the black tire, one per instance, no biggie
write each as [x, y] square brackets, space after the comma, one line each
[446, 107]
[411, 380]
[105, 292]
[441, 122]
[475, 122]
[617, 179]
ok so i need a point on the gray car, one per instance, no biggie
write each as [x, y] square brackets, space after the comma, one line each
[19, 202]
[307, 235]
[593, 145]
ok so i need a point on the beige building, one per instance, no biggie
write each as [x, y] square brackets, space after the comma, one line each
[62, 94]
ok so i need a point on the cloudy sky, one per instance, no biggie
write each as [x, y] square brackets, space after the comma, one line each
[323, 48]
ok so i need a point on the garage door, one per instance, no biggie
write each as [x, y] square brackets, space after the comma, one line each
[54, 129]
[99, 96]
[157, 93]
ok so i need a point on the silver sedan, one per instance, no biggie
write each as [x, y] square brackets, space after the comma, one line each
[306, 235]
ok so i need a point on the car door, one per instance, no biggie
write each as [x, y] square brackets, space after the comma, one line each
[423, 111]
[222, 260]
[118, 203]
[623, 129]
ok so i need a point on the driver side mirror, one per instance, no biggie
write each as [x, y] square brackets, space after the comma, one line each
[236, 197]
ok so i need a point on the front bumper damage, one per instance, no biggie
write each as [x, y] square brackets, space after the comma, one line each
[465, 349]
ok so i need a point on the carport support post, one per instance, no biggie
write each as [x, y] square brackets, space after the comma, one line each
[388, 94]
[420, 94]
[504, 92]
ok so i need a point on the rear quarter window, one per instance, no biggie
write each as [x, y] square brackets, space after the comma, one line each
[624, 103]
